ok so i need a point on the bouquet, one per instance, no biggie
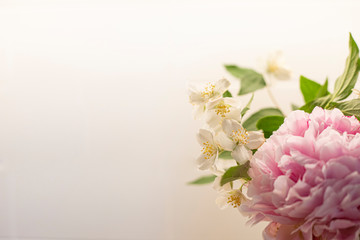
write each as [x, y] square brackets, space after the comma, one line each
[300, 172]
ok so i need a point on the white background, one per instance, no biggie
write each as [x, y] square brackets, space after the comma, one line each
[97, 140]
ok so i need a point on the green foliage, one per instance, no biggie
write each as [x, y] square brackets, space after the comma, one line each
[347, 80]
[247, 107]
[250, 80]
[311, 89]
[320, 102]
[225, 155]
[343, 85]
[203, 180]
[235, 173]
[269, 124]
[227, 94]
[323, 91]
[349, 108]
[294, 107]
[250, 123]
[270, 119]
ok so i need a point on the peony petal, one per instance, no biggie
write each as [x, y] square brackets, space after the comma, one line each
[281, 188]
[306, 177]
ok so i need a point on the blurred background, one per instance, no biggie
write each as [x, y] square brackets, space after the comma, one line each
[97, 138]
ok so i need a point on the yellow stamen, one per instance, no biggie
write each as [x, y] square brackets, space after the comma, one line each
[234, 199]
[240, 135]
[208, 91]
[208, 150]
[272, 67]
[221, 109]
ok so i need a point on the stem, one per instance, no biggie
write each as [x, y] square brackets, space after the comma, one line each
[243, 185]
[273, 99]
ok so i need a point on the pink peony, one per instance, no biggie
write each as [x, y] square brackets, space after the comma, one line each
[306, 178]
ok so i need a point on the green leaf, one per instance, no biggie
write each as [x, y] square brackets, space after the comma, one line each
[349, 108]
[247, 107]
[269, 124]
[308, 88]
[250, 80]
[227, 94]
[235, 173]
[320, 102]
[250, 123]
[225, 155]
[203, 180]
[294, 107]
[312, 90]
[347, 80]
[323, 90]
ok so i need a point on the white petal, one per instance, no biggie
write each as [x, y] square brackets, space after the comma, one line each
[224, 141]
[217, 128]
[221, 201]
[214, 169]
[230, 125]
[199, 111]
[212, 119]
[212, 104]
[203, 163]
[217, 187]
[241, 154]
[276, 56]
[216, 183]
[195, 95]
[221, 86]
[233, 101]
[255, 140]
[205, 136]
[235, 113]
[223, 164]
[282, 73]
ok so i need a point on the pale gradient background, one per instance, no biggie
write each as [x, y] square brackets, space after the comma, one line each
[97, 139]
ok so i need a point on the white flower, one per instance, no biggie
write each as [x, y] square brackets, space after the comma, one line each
[217, 186]
[240, 141]
[209, 151]
[230, 198]
[275, 67]
[223, 108]
[200, 95]
[219, 169]
[221, 165]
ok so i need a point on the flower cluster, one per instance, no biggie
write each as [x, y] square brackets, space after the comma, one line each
[222, 134]
[301, 173]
